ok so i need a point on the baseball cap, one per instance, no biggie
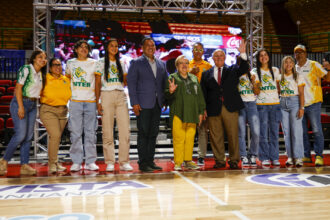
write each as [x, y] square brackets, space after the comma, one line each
[299, 47]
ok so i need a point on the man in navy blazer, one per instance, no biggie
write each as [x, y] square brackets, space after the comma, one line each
[223, 102]
[146, 83]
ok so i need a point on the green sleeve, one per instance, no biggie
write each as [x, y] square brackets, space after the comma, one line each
[201, 101]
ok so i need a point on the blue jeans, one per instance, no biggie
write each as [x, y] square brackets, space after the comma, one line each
[313, 113]
[249, 115]
[24, 129]
[292, 127]
[270, 117]
[82, 118]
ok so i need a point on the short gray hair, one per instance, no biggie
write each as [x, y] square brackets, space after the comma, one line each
[179, 58]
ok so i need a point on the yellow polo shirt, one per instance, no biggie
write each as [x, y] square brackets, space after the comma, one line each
[312, 72]
[57, 91]
[203, 66]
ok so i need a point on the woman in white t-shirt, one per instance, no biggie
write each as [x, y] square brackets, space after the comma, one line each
[292, 104]
[249, 89]
[109, 86]
[269, 109]
[82, 108]
[23, 110]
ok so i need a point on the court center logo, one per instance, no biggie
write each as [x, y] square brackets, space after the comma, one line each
[290, 180]
[68, 189]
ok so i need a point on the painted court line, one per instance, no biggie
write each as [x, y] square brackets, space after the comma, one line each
[210, 195]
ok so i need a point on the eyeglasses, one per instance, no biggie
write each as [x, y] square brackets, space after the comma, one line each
[187, 63]
[299, 52]
[198, 50]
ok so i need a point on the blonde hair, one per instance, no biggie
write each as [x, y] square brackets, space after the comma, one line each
[295, 75]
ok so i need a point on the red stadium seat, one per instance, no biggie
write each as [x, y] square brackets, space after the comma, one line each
[9, 130]
[4, 110]
[2, 125]
[6, 99]
[5, 82]
[2, 90]
[9, 123]
[325, 119]
[10, 90]
[14, 83]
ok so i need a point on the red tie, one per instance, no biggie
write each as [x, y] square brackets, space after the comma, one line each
[219, 76]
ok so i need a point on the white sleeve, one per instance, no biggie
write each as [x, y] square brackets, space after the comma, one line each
[254, 73]
[301, 80]
[277, 74]
[68, 68]
[22, 75]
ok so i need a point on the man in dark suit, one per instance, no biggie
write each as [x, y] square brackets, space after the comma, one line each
[223, 102]
[146, 83]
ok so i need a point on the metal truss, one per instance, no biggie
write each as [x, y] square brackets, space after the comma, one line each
[254, 29]
[251, 9]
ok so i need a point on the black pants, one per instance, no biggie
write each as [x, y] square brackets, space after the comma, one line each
[148, 127]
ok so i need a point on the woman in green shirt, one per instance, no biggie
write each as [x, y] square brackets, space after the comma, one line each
[187, 107]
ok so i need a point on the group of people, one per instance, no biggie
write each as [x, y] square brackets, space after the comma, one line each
[217, 100]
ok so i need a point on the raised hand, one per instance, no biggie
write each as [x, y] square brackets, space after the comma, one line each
[172, 86]
[242, 47]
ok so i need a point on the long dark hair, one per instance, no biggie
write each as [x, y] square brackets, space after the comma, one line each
[107, 63]
[259, 64]
[43, 69]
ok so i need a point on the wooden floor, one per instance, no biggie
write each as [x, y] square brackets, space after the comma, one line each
[283, 193]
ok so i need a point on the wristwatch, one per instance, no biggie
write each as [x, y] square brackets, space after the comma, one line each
[303, 108]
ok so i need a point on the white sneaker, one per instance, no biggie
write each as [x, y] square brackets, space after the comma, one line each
[126, 167]
[110, 167]
[91, 166]
[245, 162]
[75, 167]
[265, 163]
[299, 162]
[289, 161]
[253, 161]
[276, 163]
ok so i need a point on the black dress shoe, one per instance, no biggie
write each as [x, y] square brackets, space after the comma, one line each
[146, 169]
[155, 167]
[233, 165]
[219, 165]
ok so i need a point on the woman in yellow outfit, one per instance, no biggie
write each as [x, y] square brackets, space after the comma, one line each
[53, 110]
[187, 106]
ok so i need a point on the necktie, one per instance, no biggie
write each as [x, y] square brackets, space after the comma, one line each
[219, 76]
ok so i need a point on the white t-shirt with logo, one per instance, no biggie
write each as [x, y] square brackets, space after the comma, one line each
[113, 82]
[82, 79]
[268, 89]
[31, 81]
[245, 88]
[312, 73]
[289, 86]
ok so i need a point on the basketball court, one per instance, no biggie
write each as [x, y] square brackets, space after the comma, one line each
[273, 193]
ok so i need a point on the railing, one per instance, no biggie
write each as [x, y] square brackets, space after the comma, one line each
[10, 66]
[315, 42]
[277, 57]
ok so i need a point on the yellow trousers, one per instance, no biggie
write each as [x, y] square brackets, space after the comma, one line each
[183, 140]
